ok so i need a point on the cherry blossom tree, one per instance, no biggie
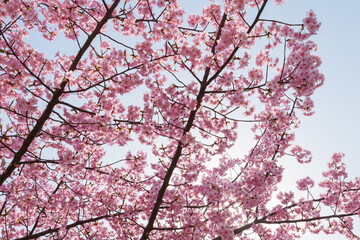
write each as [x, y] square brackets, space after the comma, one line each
[179, 85]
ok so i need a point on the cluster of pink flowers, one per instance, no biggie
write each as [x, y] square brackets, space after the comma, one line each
[171, 93]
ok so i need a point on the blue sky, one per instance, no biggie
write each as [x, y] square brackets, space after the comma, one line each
[335, 125]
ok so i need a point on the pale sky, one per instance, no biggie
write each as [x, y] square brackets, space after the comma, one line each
[335, 125]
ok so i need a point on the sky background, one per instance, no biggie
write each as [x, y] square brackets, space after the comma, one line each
[334, 127]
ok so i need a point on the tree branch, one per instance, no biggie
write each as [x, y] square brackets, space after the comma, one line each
[54, 100]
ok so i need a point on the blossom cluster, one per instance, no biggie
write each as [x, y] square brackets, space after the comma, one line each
[132, 135]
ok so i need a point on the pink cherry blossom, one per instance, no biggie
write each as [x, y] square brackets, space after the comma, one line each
[131, 129]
